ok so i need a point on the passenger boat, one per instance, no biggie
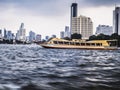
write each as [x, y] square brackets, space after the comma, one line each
[81, 44]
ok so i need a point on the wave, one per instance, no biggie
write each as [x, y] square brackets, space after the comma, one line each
[53, 69]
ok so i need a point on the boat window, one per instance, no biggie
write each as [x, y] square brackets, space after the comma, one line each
[98, 44]
[87, 44]
[112, 43]
[77, 43]
[66, 43]
[50, 42]
[55, 42]
[60, 42]
[82, 44]
[71, 43]
[93, 44]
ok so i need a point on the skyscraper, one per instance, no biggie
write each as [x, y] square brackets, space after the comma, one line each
[47, 38]
[74, 10]
[38, 37]
[32, 36]
[9, 35]
[62, 34]
[81, 25]
[5, 33]
[53, 36]
[67, 32]
[0, 33]
[21, 33]
[84, 26]
[73, 21]
[116, 20]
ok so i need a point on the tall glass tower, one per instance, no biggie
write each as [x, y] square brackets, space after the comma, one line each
[116, 20]
[73, 21]
[22, 26]
[21, 33]
[74, 10]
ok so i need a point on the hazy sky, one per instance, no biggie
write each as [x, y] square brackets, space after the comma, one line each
[49, 17]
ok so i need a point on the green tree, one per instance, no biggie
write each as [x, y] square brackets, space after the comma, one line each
[114, 36]
[76, 36]
[93, 37]
[66, 38]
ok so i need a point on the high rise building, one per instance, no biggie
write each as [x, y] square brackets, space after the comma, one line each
[80, 25]
[74, 10]
[116, 20]
[21, 33]
[9, 35]
[5, 33]
[32, 36]
[73, 21]
[38, 37]
[47, 38]
[104, 29]
[18, 35]
[53, 36]
[0, 33]
[84, 26]
[27, 39]
[62, 34]
[67, 32]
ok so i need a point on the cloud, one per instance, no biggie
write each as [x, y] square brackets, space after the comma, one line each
[36, 7]
[50, 7]
[97, 3]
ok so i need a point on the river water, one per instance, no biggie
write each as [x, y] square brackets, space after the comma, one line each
[30, 67]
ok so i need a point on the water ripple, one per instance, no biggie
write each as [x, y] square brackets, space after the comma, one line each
[30, 67]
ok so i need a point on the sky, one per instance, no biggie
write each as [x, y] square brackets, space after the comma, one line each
[48, 17]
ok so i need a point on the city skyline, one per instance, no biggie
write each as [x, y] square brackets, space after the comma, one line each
[47, 17]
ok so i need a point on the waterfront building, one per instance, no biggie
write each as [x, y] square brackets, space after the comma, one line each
[81, 25]
[53, 36]
[67, 32]
[9, 35]
[73, 21]
[104, 29]
[62, 34]
[13, 36]
[18, 35]
[38, 37]
[0, 34]
[32, 36]
[21, 33]
[47, 38]
[5, 33]
[116, 20]
[84, 26]
[27, 39]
